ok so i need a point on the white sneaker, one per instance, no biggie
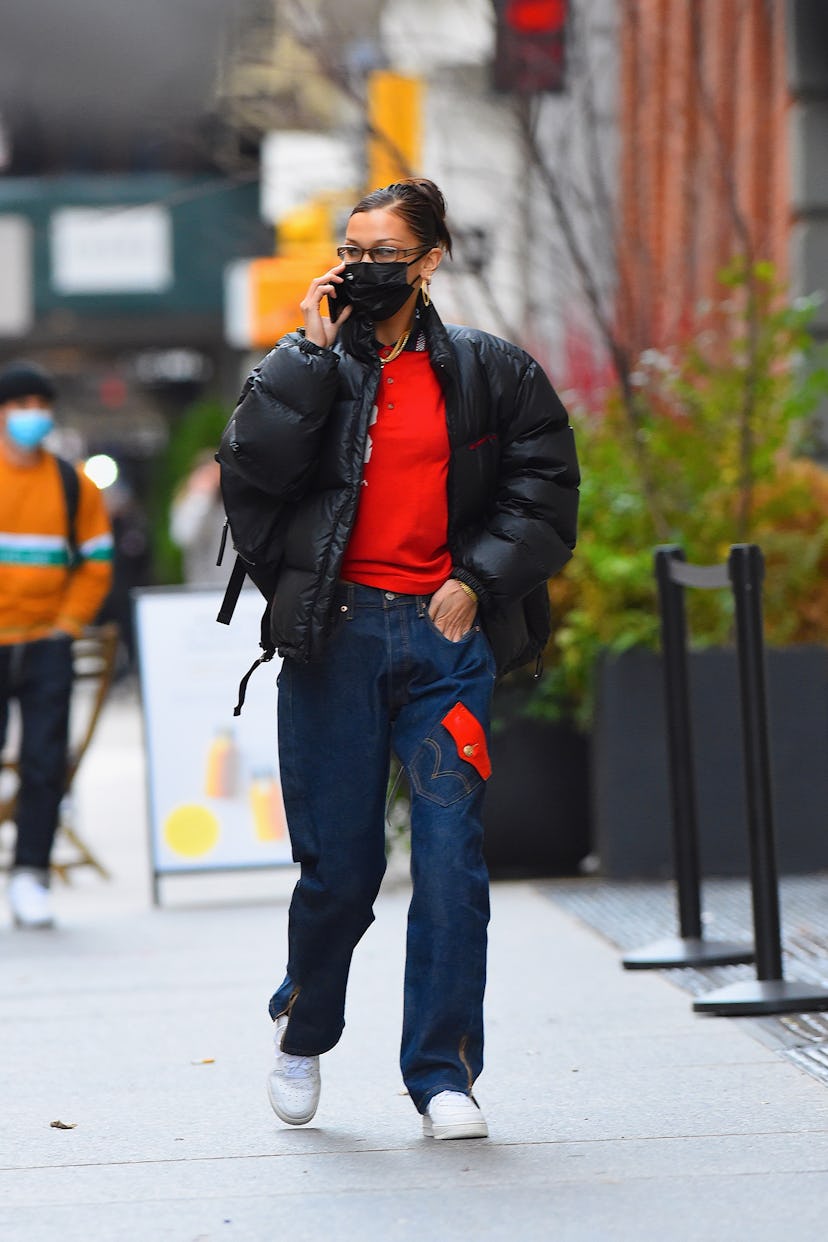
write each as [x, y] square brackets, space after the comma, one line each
[30, 901]
[453, 1115]
[294, 1083]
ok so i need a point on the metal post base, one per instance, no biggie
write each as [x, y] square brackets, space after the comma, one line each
[758, 996]
[685, 951]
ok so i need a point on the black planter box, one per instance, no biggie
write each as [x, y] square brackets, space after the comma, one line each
[536, 810]
[630, 809]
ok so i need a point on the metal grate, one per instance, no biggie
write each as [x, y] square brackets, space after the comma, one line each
[633, 914]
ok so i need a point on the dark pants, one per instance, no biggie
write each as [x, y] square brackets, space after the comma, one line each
[388, 679]
[39, 676]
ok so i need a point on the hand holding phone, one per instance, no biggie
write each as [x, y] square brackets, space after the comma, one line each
[318, 328]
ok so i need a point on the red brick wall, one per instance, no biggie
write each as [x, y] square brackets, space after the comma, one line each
[704, 154]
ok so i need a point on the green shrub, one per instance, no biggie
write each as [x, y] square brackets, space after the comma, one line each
[702, 447]
[197, 431]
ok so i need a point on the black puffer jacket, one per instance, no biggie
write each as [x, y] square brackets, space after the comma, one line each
[296, 442]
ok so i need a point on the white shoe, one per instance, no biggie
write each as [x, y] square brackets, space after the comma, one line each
[293, 1085]
[453, 1115]
[30, 901]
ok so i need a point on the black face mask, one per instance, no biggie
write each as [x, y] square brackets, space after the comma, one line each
[379, 290]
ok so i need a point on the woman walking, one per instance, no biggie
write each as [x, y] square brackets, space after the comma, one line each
[426, 482]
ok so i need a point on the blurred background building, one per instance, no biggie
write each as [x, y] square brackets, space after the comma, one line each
[172, 176]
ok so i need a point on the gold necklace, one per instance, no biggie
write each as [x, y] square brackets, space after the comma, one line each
[398, 347]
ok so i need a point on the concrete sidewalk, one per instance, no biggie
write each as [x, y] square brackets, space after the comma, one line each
[614, 1112]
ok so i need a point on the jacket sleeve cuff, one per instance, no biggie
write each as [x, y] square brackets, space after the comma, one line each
[310, 347]
[463, 575]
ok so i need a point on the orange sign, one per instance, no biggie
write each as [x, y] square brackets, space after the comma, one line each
[276, 287]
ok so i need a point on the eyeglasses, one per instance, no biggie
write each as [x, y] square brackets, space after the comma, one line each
[379, 254]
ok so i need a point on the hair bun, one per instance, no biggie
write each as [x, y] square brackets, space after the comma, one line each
[431, 191]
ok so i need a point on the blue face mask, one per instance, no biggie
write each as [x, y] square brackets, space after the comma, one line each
[27, 428]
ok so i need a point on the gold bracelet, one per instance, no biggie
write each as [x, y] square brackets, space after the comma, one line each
[465, 586]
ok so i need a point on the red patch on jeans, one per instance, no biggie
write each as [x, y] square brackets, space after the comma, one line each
[469, 738]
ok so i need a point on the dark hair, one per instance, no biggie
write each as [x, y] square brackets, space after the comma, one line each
[419, 202]
[25, 379]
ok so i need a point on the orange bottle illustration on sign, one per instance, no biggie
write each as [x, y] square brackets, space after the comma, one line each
[222, 766]
[267, 807]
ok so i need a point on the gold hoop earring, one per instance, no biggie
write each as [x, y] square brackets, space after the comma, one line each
[425, 293]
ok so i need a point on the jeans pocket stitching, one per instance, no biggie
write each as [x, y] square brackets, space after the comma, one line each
[467, 785]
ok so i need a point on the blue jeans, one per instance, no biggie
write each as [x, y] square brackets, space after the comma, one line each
[389, 679]
[39, 676]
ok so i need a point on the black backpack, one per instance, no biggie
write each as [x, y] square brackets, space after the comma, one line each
[71, 496]
[256, 525]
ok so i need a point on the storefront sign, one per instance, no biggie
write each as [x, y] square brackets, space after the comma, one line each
[111, 249]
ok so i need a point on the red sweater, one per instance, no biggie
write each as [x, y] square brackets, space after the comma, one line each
[399, 540]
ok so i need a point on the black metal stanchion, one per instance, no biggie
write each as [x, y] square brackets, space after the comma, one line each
[769, 992]
[689, 948]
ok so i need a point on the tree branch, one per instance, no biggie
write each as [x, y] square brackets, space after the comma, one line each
[747, 408]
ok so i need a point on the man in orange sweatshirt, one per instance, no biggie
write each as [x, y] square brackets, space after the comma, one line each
[55, 570]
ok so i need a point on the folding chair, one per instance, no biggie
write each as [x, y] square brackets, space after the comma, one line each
[94, 657]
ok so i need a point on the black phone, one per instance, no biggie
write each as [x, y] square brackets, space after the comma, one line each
[336, 304]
